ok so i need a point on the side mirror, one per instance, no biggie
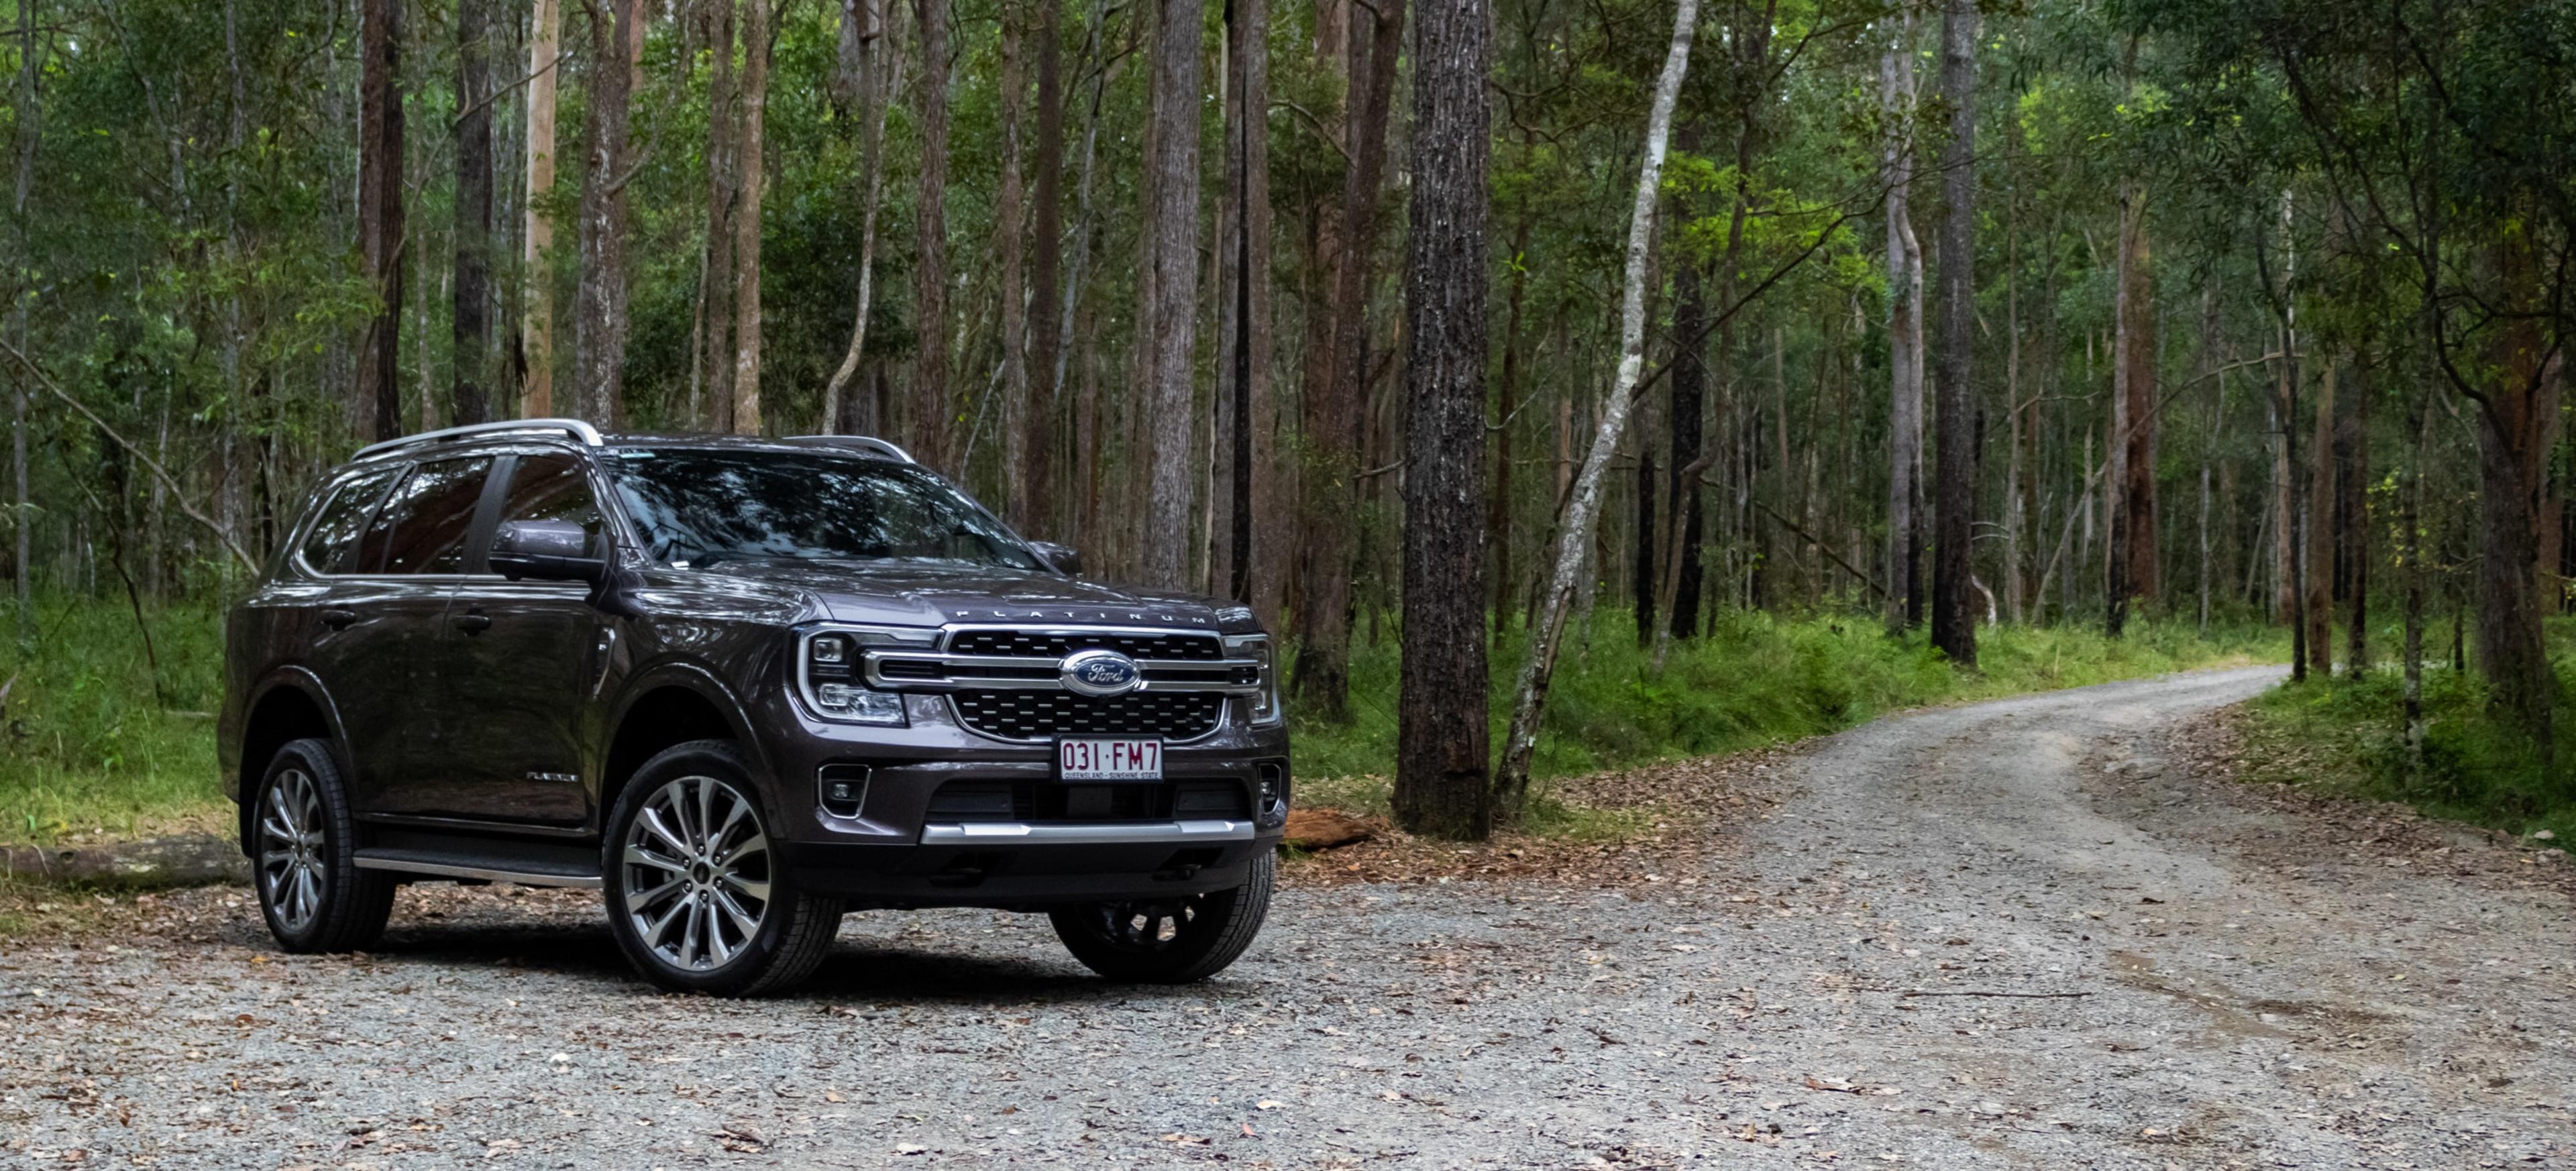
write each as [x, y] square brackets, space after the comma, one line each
[1066, 560]
[546, 550]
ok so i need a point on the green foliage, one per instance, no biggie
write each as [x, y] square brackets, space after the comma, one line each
[2348, 736]
[84, 742]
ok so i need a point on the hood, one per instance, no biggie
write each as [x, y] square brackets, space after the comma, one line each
[914, 594]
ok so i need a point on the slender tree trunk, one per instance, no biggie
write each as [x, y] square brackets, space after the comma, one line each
[30, 114]
[1954, 616]
[2412, 532]
[380, 208]
[1173, 251]
[537, 392]
[1018, 487]
[746, 224]
[1583, 507]
[599, 312]
[2352, 478]
[2132, 547]
[1442, 783]
[472, 307]
[931, 409]
[1321, 681]
[1256, 562]
[2318, 516]
[1904, 331]
[715, 356]
[1498, 507]
[880, 68]
[1046, 260]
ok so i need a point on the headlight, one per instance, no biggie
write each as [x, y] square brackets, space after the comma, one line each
[827, 670]
[1265, 702]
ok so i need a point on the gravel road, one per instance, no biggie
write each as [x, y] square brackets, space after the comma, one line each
[2007, 935]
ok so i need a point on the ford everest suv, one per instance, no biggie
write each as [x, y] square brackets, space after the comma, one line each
[739, 686]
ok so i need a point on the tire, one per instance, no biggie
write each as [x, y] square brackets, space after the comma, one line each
[695, 894]
[303, 852]
[1127, 942]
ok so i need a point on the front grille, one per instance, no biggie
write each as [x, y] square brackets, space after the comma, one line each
[1056, 644]
[990, 801]
[1041, 715]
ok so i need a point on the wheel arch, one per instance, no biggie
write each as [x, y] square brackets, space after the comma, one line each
[674, 704]
[291, 705]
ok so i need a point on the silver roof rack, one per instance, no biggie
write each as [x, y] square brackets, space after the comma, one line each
[587, 434]
[867, 443]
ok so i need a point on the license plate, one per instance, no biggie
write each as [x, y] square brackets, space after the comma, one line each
[1109, 760]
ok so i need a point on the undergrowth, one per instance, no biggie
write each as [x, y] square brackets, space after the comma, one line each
[2348, 735]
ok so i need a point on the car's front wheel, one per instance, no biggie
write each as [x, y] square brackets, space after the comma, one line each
[696, 896]
[1172, 941]
[304, 856]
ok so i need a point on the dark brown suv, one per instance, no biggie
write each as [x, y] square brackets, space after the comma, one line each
[739, 686]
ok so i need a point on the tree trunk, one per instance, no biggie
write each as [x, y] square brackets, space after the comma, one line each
[2510, 450]
[2133, 383]
[880, 71]
[1046, 233]
[1321, 682]
[1904, 332]
[930, 406]
[2317, 513]
[1018, 488]
[2412, 532]
[545, 32]
[599, 311]
[1256, 562]
[380, 208]
[29, 118]
[754, 100]
[1583, 507]
[2352, 485]
[1954, 615]
[715, 351]
[1173, 251]
[1441, 777]
[473, 281]
[1498, 506]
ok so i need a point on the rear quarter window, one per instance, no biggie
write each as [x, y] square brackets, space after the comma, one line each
[330, 545]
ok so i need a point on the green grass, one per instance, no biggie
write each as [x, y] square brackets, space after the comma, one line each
[1759, 680]
[2348, 736]
[91, 748]
[86, 744]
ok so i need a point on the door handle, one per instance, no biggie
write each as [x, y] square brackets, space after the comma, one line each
[338, 619]
[474, 622]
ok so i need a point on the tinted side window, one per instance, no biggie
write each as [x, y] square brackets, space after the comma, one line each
[328, 548]
[421, 528]
[551, 486]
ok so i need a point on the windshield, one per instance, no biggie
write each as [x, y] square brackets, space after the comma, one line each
[698, 507]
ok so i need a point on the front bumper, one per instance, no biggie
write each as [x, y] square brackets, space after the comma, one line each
[895, 849]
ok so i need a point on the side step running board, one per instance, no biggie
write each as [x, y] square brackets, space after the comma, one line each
[423, 863]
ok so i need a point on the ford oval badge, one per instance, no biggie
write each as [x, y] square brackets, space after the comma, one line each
[1100, 673]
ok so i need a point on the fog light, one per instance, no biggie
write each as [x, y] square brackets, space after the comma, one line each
[844, 788]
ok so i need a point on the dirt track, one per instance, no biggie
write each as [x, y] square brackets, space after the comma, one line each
[2005, 935]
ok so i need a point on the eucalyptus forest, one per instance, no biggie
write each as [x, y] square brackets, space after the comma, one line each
[1487, 331]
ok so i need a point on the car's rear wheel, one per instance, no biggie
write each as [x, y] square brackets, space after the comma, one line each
[304, 857]
[1170, 941]
[695, 893]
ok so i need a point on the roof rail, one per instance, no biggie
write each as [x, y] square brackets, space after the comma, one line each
[868, 443]
[588, 434]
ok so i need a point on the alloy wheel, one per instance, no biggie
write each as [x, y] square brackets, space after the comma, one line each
[291, 849]
[1146, 927]
[696, 873]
